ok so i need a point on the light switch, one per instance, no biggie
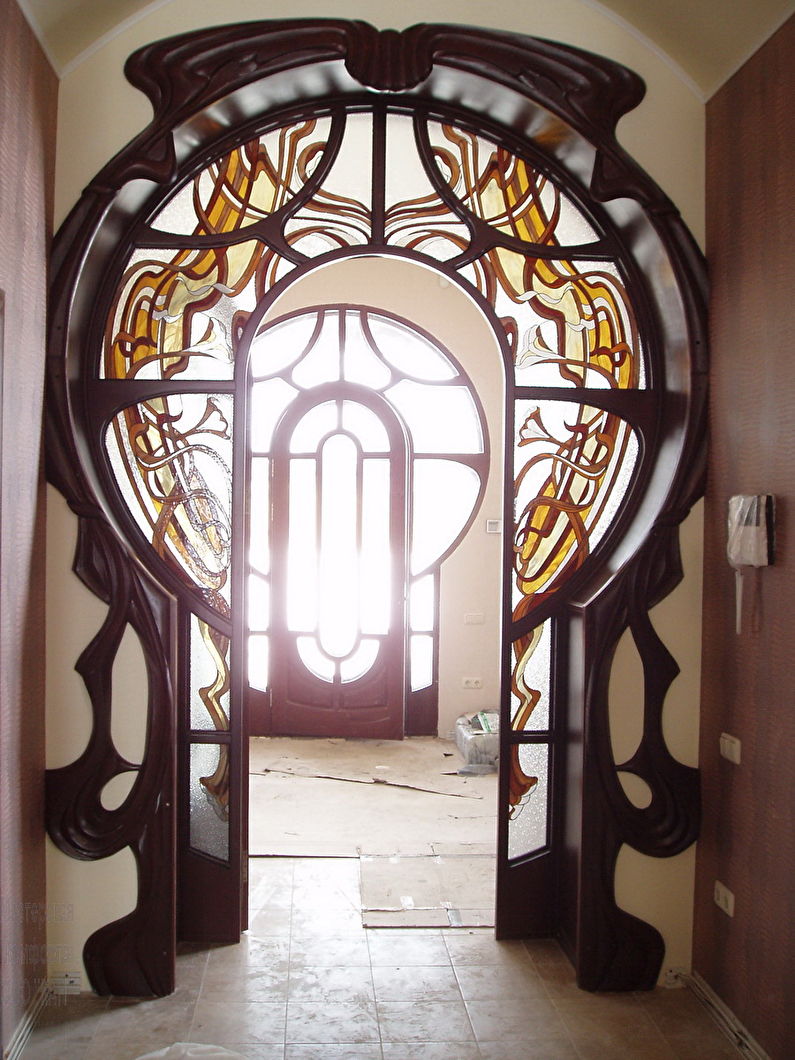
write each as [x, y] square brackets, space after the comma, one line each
[730, 747]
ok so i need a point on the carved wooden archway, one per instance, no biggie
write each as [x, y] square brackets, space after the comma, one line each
[555, 109]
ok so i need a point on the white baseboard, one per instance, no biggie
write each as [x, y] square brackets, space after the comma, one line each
[19, 1039]
[723, 1016]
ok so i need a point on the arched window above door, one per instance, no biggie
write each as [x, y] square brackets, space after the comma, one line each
[488, 162]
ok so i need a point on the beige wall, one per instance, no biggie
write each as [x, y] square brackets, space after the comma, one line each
[28, 91]
[99, 112]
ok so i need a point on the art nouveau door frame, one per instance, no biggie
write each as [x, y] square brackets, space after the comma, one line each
[655, 373]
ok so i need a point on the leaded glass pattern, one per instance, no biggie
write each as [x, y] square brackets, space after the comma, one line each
[210, 677]
[531, 680]
[529, 799]
[172, 459]
[573, 464]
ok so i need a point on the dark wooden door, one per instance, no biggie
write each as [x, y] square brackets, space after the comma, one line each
[339, 533]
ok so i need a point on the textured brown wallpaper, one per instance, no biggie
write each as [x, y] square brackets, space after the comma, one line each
[28, 91]
[748, 839]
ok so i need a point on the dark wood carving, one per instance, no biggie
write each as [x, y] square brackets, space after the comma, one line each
[194, 80]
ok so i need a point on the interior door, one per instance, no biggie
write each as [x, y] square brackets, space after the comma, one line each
[339, 567]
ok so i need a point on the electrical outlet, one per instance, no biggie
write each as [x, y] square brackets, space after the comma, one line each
[724, 899]
[66, 983]
[471, 682]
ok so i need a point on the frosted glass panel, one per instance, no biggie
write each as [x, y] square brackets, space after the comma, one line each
[421, 661]
[313, 427]
[259, 603]
[445, 493]
[276, 348]
[360, 661]
[268, 402]
[338, 567]
[363, 423]
[410, 353]
[259, 506]
[302, 548]
[258, 661]
[209, 799]
[314, 659]
[527, 820]
[375, 588]
[422, 600]
[361, 364]
[441, 419]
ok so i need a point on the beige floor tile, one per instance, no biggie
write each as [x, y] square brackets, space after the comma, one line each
[319, 1023]
[482, 982]
[480, 947]
[253, 952]
[415, 983]
[424, 1021]
[334, 1051]
[398, 949]
[329, 952]
[331, 984]
[431, 1051]
[255, 984]
[512, 1020]
[271, 922]
[553, 1047]
[226, 1022]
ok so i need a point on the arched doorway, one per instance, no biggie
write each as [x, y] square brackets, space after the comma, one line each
[492, 157]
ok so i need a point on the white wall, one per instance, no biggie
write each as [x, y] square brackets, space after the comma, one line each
[99, 112]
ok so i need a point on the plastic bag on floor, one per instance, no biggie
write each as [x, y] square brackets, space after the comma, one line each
[192, 1051]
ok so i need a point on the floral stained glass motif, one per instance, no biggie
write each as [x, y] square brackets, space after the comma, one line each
[573, 465]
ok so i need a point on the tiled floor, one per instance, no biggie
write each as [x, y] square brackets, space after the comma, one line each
[308, 982]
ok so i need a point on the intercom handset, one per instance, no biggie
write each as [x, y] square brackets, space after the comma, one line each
[750, 538]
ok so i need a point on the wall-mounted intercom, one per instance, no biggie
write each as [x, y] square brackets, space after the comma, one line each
[750, 540]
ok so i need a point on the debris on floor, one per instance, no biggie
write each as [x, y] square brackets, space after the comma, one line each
[477, 737]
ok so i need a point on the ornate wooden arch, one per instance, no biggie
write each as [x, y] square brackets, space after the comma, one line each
[208, 89]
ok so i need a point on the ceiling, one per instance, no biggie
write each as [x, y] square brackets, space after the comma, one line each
[708, 39]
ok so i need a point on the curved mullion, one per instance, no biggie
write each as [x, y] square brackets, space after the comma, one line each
[640, 408]
[270, 229]
[486, 238]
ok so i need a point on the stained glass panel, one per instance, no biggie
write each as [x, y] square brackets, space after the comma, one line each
[573, 465]
[174, 312]
[531, 680]
[416, 216]
[172, 460]
[528, 799]
[339, 214]
[249, 183]
[210, 677]
[505, 191]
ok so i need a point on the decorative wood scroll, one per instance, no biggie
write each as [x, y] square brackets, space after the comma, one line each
[210, 90]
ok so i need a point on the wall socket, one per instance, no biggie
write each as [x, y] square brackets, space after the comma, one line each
[471, 682]
[724, 899]
[66, 983]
